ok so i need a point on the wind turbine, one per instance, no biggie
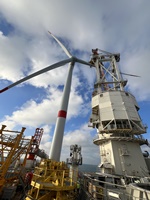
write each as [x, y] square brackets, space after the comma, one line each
[61, 118]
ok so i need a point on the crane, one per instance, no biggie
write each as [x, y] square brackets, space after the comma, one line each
[13, 145]
[34, 149]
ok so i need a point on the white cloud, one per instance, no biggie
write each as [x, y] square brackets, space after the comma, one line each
[46, 138]
[112, 26]
[94, 25]
[34, 114]
[136, 62]
[12, 58]
[83, 137]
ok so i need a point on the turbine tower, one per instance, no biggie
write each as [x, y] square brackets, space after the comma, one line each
[55, 150]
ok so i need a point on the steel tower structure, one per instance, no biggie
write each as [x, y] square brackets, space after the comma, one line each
[116, 118]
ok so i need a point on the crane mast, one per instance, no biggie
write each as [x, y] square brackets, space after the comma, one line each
[115, 116]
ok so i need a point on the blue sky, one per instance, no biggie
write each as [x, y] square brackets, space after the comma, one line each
[26, 47]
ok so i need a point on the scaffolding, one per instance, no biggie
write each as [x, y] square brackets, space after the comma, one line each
[13, 152]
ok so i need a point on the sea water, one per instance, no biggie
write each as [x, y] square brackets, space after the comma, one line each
[88, 168]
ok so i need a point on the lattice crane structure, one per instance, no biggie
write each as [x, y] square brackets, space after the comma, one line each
[34, 149]
[116, 118]
[13, 152]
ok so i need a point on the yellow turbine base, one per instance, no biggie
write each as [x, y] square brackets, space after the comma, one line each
[51, 181]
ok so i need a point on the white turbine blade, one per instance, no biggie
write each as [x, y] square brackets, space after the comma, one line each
[82, 62]
[130, 74]
[62, 46]
[105, 51]
[37, 73]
